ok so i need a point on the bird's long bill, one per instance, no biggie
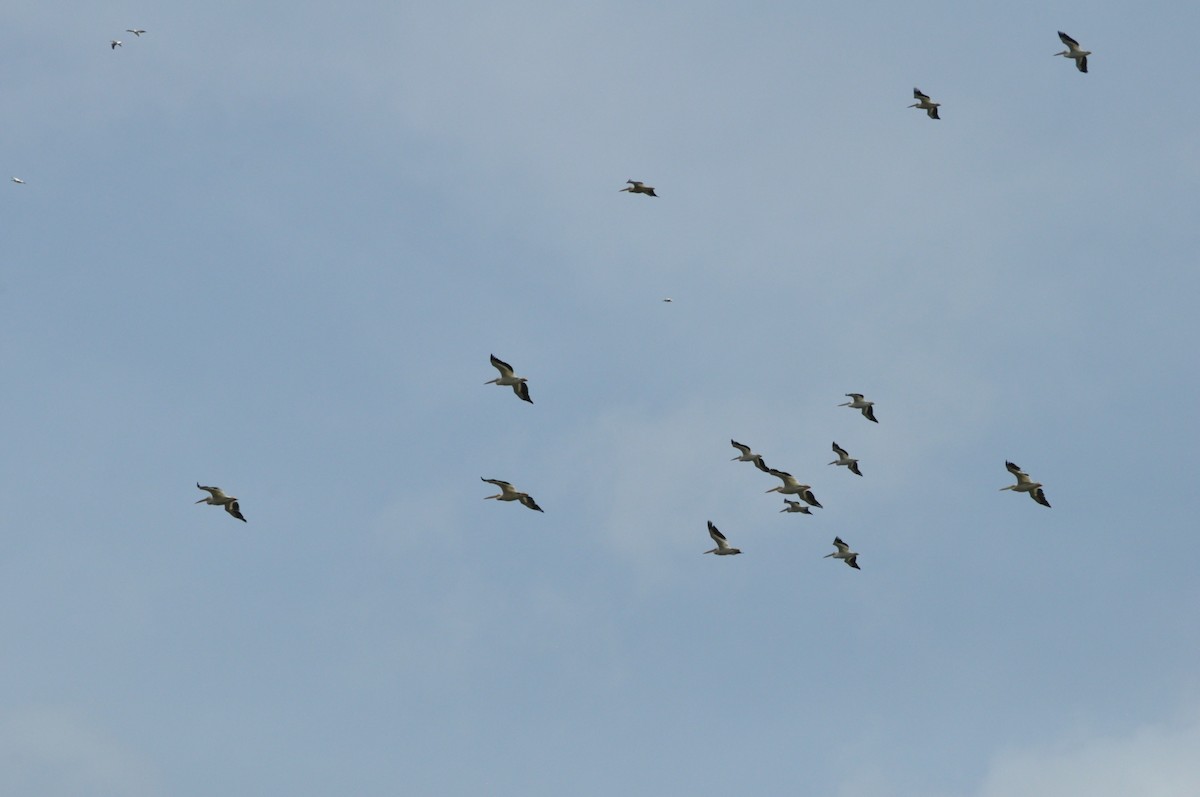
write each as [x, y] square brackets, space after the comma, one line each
[202, 500]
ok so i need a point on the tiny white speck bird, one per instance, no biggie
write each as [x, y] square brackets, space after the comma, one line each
[217, 497]
[18, 181]
[114, 44]
[638, 187]
[796, 506]
[925, 104]
[844, 553]
[857, 402]
[668, 300]
[1025, 484]
[844, 458]
[1074, 51]
[510, 493]
[790, 486]
[135, 31]
[723, 548]
[747, 455]
[508, 379]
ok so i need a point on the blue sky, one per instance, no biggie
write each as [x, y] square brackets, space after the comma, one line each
[270, 247]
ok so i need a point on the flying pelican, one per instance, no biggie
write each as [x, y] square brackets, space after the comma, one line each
[1074, 51]
[218, 498]
[925, 104]
[857, 402]
[18, 181]
[1025, 484]
[795, 506]
[135, 31]
[507, 377]
[668, 299]
[747, 454]
[790, 486]
[844, 458]
[722, 548]
[510, 493]
[844, 553]
[638, 187]
[114, 44]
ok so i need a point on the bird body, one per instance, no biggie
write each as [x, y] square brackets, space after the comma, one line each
[747, 455]
[796, 506]
[925, 104]
[1025, 484]
[723, 548]
[1074, 51]
[217, 497]
[844, 553]
[509, 379]
[857, 402]
[18, 181]
[790, 486]
[638, 187]
[510, 493]
[135, 31]
[114, 44]
[845, 459]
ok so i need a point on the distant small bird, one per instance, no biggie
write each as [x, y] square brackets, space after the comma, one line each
[844, 553]
[925, 104]
[1025, 484]
[723, 548]
[135, 31]
[218, 498]
[115, 44]
[636, 187]
[1074, 51]
[790, 486]
[747, 455]
[18, 181]
[796, 506]
[509, 379]
[510, 493]
[857, 402]
[844, 458]
[668, 299]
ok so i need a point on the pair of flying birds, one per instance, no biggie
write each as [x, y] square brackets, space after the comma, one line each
[723, 548]
[115, 43]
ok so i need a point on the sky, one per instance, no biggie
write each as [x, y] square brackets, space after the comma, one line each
[270, 246]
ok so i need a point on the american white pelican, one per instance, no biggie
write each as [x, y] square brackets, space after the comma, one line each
[796, 506]
[1025, 484]
[925, 104]
[668, 300]
[844, 553]
[510, 493]
[217, 497]
[508, 378]
[135, 31]
[723, 548]
[857, 402]
[114, 44]
[844, 458]
[790, 486]
[747, 455]
[637, 187]
[1074, 51]
[18, 181]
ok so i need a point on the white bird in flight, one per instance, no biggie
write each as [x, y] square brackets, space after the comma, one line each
[217, 497]
[638, 187]
[723, 548]
[135, 31]
[844, 553]
[508, 378]
[1025, 484]
[510, 493]
[1074, 51]
[790, 486]
[796, 506]
[18, 181]
[114, 44]
[857, 402]
[844, 458]
[925, 104]
[747, 455]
